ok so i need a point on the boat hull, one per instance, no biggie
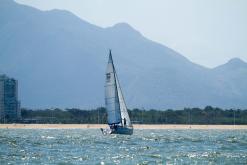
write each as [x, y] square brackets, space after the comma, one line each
[123, 130]
[118, 130]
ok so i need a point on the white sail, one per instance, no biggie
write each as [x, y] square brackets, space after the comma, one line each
[123, 108]
[111, 94]
[117, 114]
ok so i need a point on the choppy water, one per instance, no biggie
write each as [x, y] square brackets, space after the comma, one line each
[79, 146]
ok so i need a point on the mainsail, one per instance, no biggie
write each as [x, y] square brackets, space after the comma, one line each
[114, 100]
[111, 94]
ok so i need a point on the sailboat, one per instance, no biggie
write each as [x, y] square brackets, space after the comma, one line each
[117, 114]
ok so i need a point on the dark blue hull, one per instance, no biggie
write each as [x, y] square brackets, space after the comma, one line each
[123, 130]
[118, 130]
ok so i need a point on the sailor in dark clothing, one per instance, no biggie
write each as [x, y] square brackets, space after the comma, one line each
[124, 122]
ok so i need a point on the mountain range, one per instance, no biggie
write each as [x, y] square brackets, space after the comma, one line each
[59, 60]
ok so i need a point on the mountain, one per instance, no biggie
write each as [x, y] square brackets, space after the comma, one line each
[231, 79]
[60, 61]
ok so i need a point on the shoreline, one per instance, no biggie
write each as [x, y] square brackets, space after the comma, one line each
[136, 126]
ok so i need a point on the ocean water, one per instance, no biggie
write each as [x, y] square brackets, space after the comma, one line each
[89, 146]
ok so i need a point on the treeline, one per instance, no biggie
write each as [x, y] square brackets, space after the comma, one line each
[208, 115]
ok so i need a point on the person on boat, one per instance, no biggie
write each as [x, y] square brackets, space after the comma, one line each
[124, 122]
[111, 127]
[115, 127]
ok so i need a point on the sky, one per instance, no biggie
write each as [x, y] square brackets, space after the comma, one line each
[207, 32]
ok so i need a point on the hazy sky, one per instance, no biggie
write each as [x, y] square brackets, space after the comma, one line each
[208, 32]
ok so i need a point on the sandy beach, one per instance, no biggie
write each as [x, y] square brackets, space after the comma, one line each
[136, 126]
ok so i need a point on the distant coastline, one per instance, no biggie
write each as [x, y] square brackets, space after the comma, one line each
[194, 116]
[136, 126]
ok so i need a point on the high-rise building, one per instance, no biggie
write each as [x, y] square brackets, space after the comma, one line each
[9, 104]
